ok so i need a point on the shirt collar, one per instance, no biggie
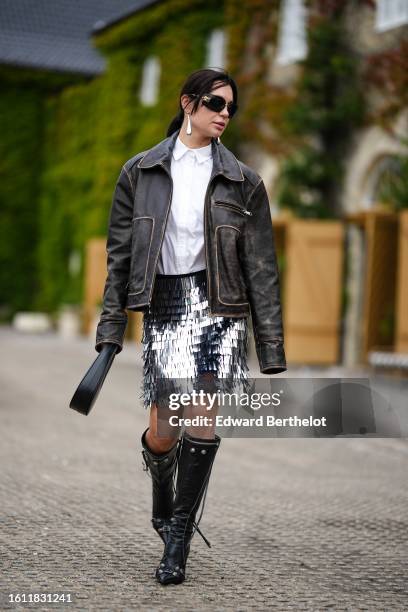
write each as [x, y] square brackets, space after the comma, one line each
[201, 154]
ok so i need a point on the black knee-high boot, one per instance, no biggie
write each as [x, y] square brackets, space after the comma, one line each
[162, 468]
[194, 469]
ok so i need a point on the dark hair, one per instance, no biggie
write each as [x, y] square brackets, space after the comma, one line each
[201, 82]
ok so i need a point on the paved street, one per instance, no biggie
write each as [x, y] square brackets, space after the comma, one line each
[295, 524]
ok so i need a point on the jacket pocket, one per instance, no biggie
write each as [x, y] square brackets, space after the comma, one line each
[142, 235]
[230, 283]
[233, 206]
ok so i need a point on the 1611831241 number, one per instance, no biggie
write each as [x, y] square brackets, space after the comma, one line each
[34, 597]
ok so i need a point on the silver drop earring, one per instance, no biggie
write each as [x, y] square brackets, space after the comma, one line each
[218, 140]
[188, 129]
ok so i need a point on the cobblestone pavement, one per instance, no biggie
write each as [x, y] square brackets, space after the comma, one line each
[295, 524]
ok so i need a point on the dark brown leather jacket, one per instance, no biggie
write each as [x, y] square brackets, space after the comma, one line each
[242, 272]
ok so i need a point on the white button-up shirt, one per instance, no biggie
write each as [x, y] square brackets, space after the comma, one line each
[183, 249]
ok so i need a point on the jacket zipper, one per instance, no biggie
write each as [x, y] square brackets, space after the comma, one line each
[162, 237]
[205, 243]
[238, 209]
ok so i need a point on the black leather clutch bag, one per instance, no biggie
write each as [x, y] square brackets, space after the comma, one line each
[89, 387]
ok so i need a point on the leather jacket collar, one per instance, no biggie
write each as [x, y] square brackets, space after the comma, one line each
[224, 162]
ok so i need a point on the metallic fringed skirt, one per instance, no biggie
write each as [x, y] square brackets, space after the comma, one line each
[181, 342]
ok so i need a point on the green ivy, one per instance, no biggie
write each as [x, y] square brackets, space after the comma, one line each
[328, 106]
[21, 127]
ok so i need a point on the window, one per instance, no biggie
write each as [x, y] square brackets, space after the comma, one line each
[391, 14]
[292, 45]
[150, 81]
[216, 45]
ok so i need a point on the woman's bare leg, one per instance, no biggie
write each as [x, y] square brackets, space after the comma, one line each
[205, 427]
[168, 434]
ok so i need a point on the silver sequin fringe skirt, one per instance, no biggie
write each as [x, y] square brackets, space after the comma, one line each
[181, 342]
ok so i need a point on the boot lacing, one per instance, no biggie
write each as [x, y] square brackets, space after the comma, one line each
[202, 504]
[195, 524]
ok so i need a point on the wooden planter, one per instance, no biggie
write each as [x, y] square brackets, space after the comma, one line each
[312, 287]
[401, 319]
[95, 278]
[379, 282]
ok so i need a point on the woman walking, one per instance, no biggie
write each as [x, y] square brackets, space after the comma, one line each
[190, 244]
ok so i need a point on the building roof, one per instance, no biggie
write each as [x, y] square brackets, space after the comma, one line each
[56, 34]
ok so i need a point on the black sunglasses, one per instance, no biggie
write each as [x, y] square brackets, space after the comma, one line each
[217, 103]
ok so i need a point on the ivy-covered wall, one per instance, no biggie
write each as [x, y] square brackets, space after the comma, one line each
[74, 140]
[21, 128]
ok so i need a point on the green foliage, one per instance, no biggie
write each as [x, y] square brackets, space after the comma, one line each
[327, 107]
[328, 100]
[304, 177]
[21, 127]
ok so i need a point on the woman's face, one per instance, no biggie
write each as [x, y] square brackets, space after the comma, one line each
[205, 122]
